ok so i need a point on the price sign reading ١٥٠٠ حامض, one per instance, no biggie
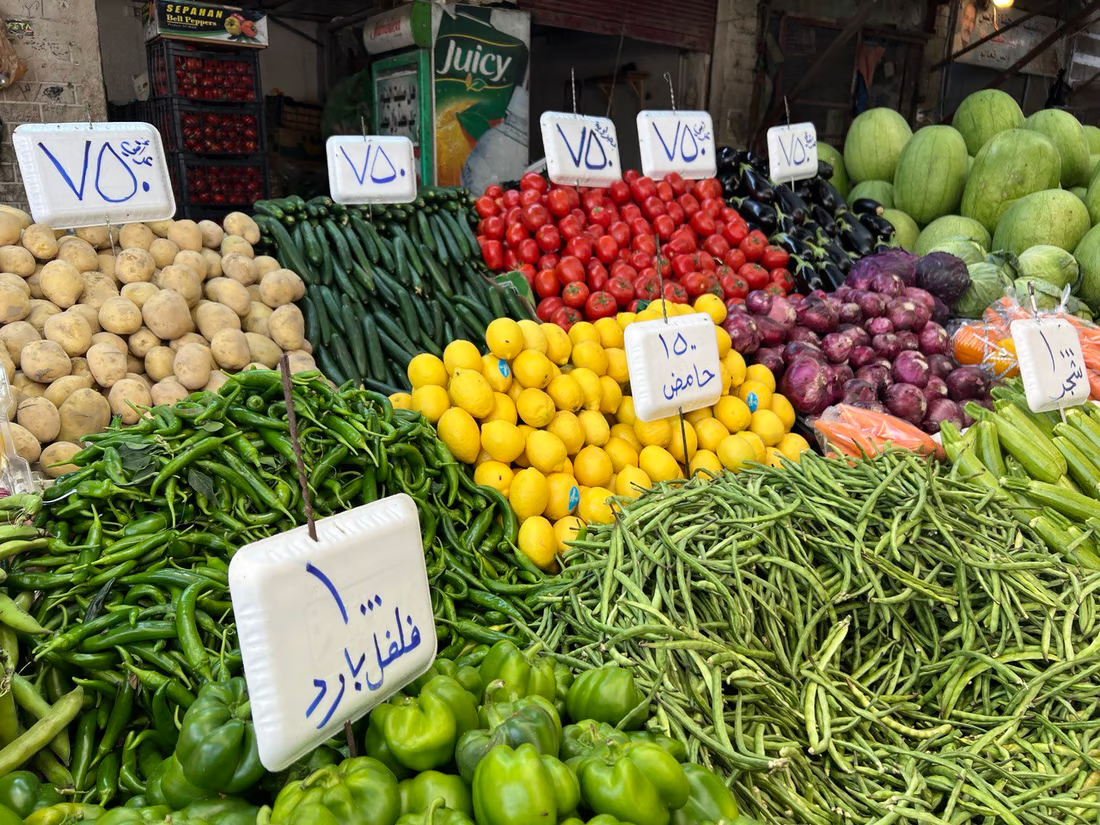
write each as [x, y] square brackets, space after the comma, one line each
[580, 150]
[86, 174]
[673, 365]
[680, 142]
[371, 169]
[1052, 364]
[330, 629]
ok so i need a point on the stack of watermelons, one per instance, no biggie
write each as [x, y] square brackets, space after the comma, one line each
[1007, 182]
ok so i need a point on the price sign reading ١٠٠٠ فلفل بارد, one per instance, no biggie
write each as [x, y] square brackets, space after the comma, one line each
[1052, 364]
[673, 365]
[332, 628]
[88, 174]
[580, 150]
[371, 169]
[677, 142]
[792, 152]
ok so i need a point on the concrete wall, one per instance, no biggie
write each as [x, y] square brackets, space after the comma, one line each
[122, 48]
[289, 64]
[731, 74]
[59, 40]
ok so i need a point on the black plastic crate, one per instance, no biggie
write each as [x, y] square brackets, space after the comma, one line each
[205, 186]
[178, 70]
[200, 129]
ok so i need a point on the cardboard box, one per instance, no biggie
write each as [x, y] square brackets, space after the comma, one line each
[205, 23]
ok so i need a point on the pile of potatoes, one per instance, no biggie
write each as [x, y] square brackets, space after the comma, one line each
[94, 326]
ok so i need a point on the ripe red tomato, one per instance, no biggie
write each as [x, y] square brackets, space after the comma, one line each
[569, 270]
[493, 253]
[575, 294]
[546, 283]
[734, 259]
[642, 188]
[782, 277]
[653, 206]
[694, 284]
[708, 188]
[607, 250]
[631, 175]
[535, 181]
[676, 212]
[510, 198]
[683, 265]
[547, 307]
[548, 237]
[600, 305]
[529, 196]
[755, 275]
[754, 245]
[565, 317]
[535, 215]
[735, 232]
[689, 203]
[733, 286]
[705, 261]
[620, 231]
[630, 213]
[647, 287]
[621, 289]
[528, 250]
[664, 191]
[675, 292]
[601, 216]
[495, 191]
[703, 223]
[619, 191]
[486, 206]
[664, 226]
[676, 182]
[528, 272]
[580, 247]
[548, 261]
[493, 227]
[644, 243]
[515, 233]
[679, 244]
[713, 206]
[570, 227]
[558, 203]
[640, 260]
[624, 269]
[774, 257]
[717, 246]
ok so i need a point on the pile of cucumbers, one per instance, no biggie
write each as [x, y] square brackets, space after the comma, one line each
[386, 282]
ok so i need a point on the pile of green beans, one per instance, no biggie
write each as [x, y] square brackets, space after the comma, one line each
[877, 642]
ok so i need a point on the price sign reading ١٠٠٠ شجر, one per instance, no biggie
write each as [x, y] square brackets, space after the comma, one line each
[1052, 364]
[371, 169]
[86, 174]
[677, 142]
[673, 365]
[580, 150]
[792, 152]
[332, 628]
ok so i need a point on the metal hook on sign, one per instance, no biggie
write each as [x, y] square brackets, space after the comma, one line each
[787, 109]
[573, 86]
[1031, 297]
[110, 234]
[671, 91]
[363, 126]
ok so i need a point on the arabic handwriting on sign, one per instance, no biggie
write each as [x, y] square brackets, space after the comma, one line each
[397, 645]
[378, 177]
[695, 379]
[121, 188]
[696, 134]
[584, 148]
[1070, 369]
[134, 149]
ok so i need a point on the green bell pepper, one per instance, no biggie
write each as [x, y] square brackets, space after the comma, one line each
[521, 675]
[224, 811]
[217, 745]
[563, 680]
[709, 799]
[168, 785]
[23, 792]
[531, 720]
[436, 815]
[583, 737]
[9, 817]
[358, 791]
[416, 795]
[599, 819]
[467, 676]
[142, 816]
[639, 782]
[606, 694]
[675, 747]
[522, 787]
[298, 770]
[420, 733]
[64, 813]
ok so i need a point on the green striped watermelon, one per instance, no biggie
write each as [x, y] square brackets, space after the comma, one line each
[875, 139]
[984, 114]
[931, 174]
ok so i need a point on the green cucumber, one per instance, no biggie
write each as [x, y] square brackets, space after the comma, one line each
[355, 339]
[339, 243]
[311, 246]
[365, 235]
[375, 357]
[408, 315]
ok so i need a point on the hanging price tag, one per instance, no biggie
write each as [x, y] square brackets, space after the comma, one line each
[89, 174]
[673, 365]
[580, 150]
[1052, 364]
[680, 142]
[372, 169]
[792, 152]
[329, 629]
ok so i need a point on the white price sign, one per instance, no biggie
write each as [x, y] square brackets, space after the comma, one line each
[88, 174]
[673, 365]
[681, 142]
[1052, 365]
[580, 150]
[329, 629]
[371, 169]
[792, 152]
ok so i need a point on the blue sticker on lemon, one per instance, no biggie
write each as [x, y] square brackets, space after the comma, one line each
[502, 365]
[574, 498]
[752, 401]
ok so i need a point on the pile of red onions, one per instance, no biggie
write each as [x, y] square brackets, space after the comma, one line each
[874, 343]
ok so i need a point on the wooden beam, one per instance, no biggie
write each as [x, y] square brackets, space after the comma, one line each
[1071, 26]
[995, 33]
[851, 28]
[1081, 86]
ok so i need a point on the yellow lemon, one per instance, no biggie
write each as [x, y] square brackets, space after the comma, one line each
[756, 442]
[495, 474]
[564, 495]
[590, 386]
[592, 467]
[625, 414]
[647, 314]
[756, 395]
[611, 481]
[611, 334]
[768, 426]
[565, 530]
[734, 413]
[470, 391]
[496, 372]
[724, 342]
[528, 494]
[458, 430]
[658, 464]
[514, 391]
[425, 369]
[676, 446]
[590, 355]
[583, 331]
[545, 451]
[660, 307]
[538, 542]
[725, 380]
[431, 400]
[558, 345]
[533, 335]
[532, 369]
[594, 507]
[502, 440]
[695, 416]
[616, 365]
[482, 457]
[566, 392]
[782, 407]
[596, 429]
[625, 319]
[521, 459]
[775, 458]
[793, 446]
[735, 363]
[631, 481]
[733, 452]
[535, 408]
[710, 433]
[401, 401]
[566, 426]
[712, 305]
[461, 355]
[653, 433]
[504, 338]
[567, 467]
[621, 453]
[504, 409]
[762, 375]
[611, 395]
[704, 462]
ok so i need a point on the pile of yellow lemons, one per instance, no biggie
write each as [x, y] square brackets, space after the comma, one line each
[543, 419]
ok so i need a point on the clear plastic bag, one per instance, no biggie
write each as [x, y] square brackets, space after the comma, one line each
[855, 432]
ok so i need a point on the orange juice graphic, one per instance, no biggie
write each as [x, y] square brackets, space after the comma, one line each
[477, 66]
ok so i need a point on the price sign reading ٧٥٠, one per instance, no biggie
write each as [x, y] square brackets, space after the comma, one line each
[580, 150]
[86, 174]
[371, 169]
[1052, 364]
[680, 142]
[792, 152]
[329, 629]
[673, 365]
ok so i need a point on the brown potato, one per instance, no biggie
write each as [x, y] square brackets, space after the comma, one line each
[107, 363]
[84, 413]
[40, 418]
[234, 244]
[257, 318]
[80, 254]
[139, 293]
[287, 327]
[62, 388]
[17, 260]
[15, 304]
[120, 316]
[192, 366]
[89, 314]
[70, 330]
[136, 236]
[238, 223]
[40, 241]
[159, 362]
[55, 459]
[265, 264]
[189, 338]
[213, 263]
[40, 311]
[168, 391]
[231, 293]
[193, 260]
[134, 264]
[142, 341]
[281, 287]
[10, 229]
[97, 289]
[212, 234]
[239, 267]
[107, 264]
[186, 235]
[211, 318]
[230, 349]
[16, 336]
[62, 283]
[183, 280]
[14, 281]
[25, 444]
[127, 395]
[44, 361]
[163, 251]
[263, 350]
[97, 236]
[117, 342]
[167, 315]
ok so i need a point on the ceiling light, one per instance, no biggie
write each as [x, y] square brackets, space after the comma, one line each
[1003, 4]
